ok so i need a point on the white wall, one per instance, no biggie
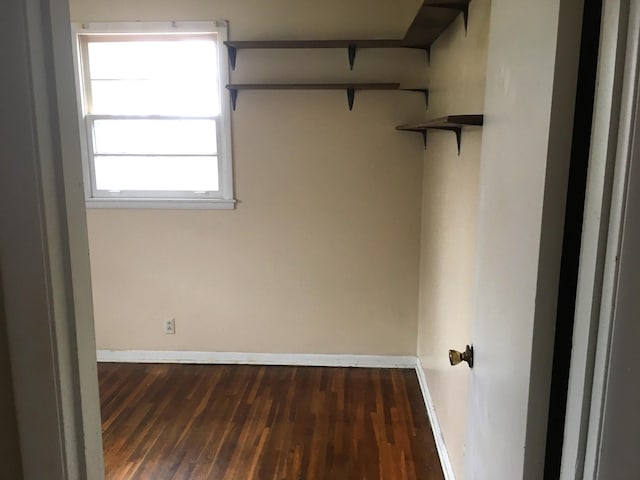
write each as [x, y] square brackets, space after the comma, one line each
[321, 254]
[526, 146]
[449, 219]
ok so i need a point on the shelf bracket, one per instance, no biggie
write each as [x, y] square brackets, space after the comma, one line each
[352, 49]
[424, 91]
[465, 16]
[421, 131]
[426, 49]
[456, 130]
[234, 98]
[233, 52]
[351, 94]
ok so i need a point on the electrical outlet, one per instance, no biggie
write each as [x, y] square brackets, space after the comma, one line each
[170, 326]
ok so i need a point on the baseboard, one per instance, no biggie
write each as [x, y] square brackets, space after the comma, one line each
[447, 468]
[229, 358]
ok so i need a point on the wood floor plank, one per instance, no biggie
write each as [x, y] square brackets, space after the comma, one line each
[230, 422]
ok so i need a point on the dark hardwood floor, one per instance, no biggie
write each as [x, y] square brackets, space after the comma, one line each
[164, 422]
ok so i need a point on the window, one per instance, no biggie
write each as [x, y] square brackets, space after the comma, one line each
[155, 114]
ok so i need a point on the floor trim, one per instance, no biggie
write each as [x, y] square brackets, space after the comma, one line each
[295, 359]
[445, 462]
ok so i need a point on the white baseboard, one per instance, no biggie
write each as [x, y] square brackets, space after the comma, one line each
[447, 468]
[221, 358]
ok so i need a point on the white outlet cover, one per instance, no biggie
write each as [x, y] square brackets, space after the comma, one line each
[170, 326]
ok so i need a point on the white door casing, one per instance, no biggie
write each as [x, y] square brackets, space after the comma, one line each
[618, 424]
[614, 108]
[614, 420]
[44, 258]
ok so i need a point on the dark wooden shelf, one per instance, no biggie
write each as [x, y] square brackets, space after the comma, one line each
[451, 123]
[433, 18]
[313, 86]
[276, 44]
[351, 45]
[350, 88]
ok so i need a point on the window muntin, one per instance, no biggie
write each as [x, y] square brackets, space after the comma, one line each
[154, 108]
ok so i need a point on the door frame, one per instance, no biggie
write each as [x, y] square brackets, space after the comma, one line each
[44, 256]
[613, 121]
[50, 322]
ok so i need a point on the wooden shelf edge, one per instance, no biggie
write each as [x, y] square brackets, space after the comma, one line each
[313, 86]
[349, 88]
[433, 18]
[352, 46]
[293, 44]
[420, 26]
[452, 123]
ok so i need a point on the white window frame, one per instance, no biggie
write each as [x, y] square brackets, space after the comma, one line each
[222, 199]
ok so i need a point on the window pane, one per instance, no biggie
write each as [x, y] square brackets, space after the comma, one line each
[189, 174]
[149, 137]
[192, 97]
[169, 77]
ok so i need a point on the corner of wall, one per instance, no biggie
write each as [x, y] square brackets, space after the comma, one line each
[449, 220]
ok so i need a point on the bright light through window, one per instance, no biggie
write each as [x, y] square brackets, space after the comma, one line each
[155, 137]
[156, 124]
[160, 77]
[169, 173]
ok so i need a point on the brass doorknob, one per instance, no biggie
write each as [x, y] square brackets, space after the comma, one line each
[456, 357]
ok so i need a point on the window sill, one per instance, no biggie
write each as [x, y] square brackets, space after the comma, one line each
[162, 203]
